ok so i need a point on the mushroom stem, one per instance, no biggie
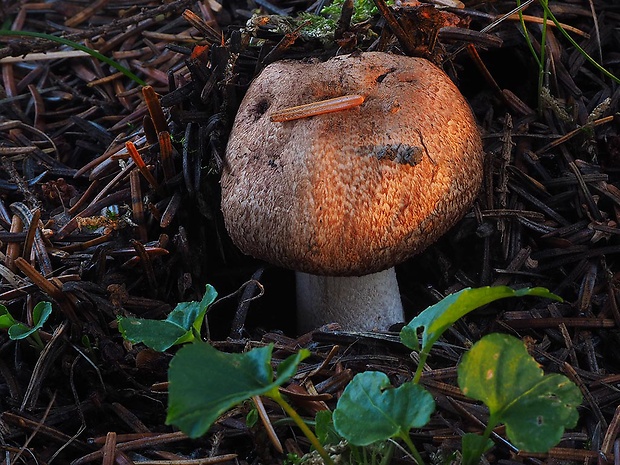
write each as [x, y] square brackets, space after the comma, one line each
[357, 303]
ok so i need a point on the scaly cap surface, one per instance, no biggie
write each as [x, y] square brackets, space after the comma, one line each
[356, 191]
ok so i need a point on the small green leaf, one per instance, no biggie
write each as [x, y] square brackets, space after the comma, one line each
[159, 335]
[439, 317]
[40, 313]
[205, 383]
[288, 367]
[536, 408]
[251, 418]
[207, 300]
[6, 319]
[177, 328]
[20, 331]
[184, 314]
[473, 446]
[370, 409]
[324, 428]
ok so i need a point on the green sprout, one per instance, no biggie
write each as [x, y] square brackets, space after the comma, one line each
[182, 324]
[16, 330]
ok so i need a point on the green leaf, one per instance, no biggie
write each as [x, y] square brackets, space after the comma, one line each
[536, 408]
[324, 428]
[6, 319]
[159, 335]
[251, 418]
[439, 317]
[40, 313]
[19, 331]
[178, 328]
[205, 383]
[288, 367]
[473, 446]
[207, 299]
[370, 409]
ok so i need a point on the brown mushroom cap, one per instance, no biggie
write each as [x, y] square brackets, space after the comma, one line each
[355, 191]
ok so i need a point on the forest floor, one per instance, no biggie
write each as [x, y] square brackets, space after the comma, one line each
[84, 226]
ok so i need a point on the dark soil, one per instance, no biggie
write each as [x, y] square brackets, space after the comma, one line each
[547, 216]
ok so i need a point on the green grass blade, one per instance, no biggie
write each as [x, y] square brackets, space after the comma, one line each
[77, 46]
[543, 59]
[526, 35]
[594, 63]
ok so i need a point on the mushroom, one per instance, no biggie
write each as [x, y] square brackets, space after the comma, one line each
[341, 197]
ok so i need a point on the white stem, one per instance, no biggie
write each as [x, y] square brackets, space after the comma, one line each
[357, 303]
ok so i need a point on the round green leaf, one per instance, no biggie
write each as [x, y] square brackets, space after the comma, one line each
[536, 408]
[548, 408]
[205, 383]
[371, 410]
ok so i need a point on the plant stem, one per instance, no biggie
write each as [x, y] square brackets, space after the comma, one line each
[489, 428]
[355, 453]
[412, 448]
[36, 339]
[421, 362]
[387, 457]
[290, 411]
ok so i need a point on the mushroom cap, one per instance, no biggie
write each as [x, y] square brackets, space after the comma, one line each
[355, 191]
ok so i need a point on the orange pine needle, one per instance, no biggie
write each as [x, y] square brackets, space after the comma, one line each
[137, 159]
[165, 153]
[155, 110]
[318, 108]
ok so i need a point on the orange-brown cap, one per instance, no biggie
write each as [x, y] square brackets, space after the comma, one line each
[354, 191]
